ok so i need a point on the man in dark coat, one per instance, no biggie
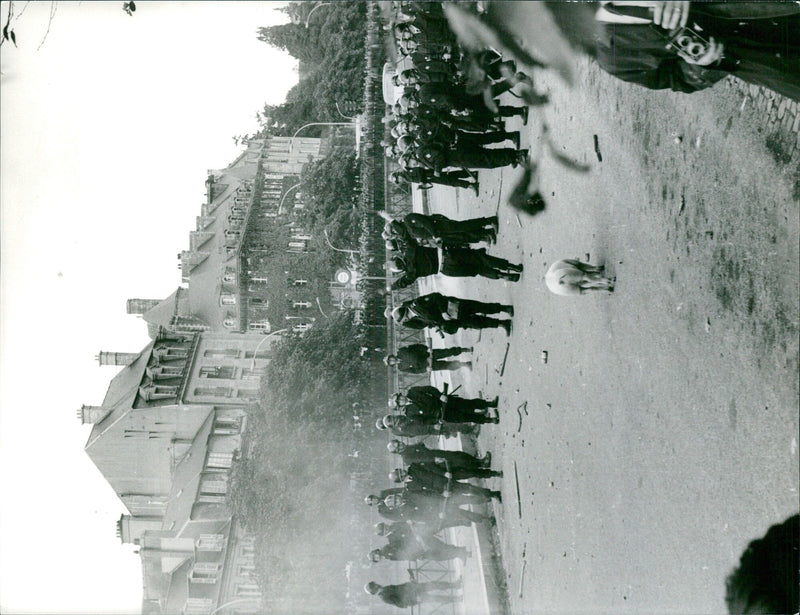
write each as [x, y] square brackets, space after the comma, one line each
[758, 42]
[429, 508]
[430, 404]
[440, 156]
[410, 594]
[419, 548]
[417, 358]
[372, 500]
[420, 453]
[443, 230]
[419, 261]
[449, 314]
[426, 177]
[405, 427]
[422, 479]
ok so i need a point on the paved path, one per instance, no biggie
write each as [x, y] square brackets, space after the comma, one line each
[661, 435]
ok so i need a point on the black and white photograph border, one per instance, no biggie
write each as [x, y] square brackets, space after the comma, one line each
[601, 395]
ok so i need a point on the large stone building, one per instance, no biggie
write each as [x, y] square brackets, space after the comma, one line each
[172, 424]
[246, 221]
[166, 438]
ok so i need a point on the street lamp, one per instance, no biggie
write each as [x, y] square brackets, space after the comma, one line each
[332, 247]
[322, 124]
[283, 198]
[266, 337]
[311, 12]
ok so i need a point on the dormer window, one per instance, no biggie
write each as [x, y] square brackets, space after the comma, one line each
[229, 322]
[230, 276]
[227, 299]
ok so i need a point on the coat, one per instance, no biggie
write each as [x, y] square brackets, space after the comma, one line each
[761, 41]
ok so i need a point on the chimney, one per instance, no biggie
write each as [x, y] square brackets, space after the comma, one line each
[140, 306]
[130, 529]
[92, 414]
[116, 358]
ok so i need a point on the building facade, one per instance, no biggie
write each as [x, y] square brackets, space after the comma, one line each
[167, 437]
[172, 425]
[247, 221]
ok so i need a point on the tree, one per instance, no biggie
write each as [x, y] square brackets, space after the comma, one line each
[293, 488]
[291, 37]
[332, 190]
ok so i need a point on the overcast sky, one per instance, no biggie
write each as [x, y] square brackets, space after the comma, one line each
[107, 133]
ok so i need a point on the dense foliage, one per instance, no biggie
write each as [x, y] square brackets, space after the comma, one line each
[295, 488]
[331, 188]
[331, 55]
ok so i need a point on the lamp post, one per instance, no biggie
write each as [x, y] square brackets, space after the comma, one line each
[322, 124]
[311, 12]
[332, 247]
[266, 337]
[283, 198]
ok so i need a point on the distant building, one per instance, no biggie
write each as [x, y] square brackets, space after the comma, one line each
[225, 267]
[172, 424]
[166, 438]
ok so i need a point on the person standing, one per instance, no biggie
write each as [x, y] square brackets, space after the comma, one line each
[430, 404]
[412, 593]
[417, 358]
[448, 314]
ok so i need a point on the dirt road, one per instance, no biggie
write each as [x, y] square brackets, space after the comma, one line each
[661, 435]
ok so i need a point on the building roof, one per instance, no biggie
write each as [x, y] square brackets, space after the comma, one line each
[122, 391]
[186, 480]
[163, 313]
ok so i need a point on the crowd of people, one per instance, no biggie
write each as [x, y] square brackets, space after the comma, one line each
[440, 131]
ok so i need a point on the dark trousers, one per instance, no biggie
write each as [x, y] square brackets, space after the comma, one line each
[462, 232]
[465, 262]
[466, 411]
[471, 322]
[481, 158]
[443, 353]
[456, 179]
[475, 139]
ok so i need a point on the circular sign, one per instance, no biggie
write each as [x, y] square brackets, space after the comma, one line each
[342, 276]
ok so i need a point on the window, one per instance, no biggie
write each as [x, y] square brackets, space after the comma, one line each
[213, 392]
[205, 572]
[170, 352]
[227, 426]
[222, 353]
[229, 322]
[301, 304]
[219, 460]
[211, 542]
[218, 371]
[227, 299]
[259, 325]
[161, 372]
[251, 374]
[247, 589]
[214, 484]
[205, 498]
[261, 354]
[245, 570]
[153, 392]
[230, 276]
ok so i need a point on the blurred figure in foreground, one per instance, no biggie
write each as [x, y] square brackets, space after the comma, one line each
[767, 578]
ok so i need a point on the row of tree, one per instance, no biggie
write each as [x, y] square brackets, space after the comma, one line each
[330, 50]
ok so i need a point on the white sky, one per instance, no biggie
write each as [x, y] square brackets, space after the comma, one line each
[107, 133]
